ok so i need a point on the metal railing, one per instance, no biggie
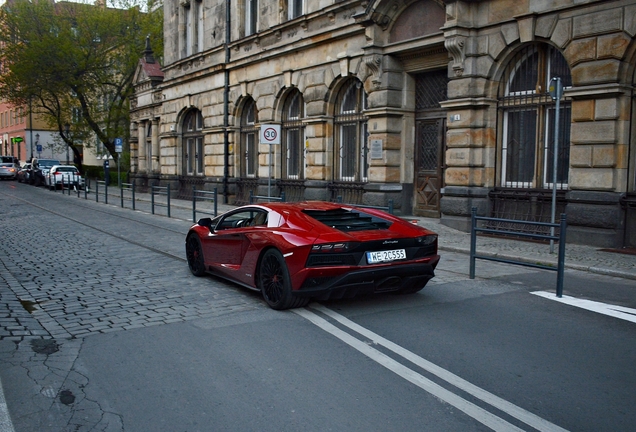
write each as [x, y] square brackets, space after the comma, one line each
[388, 208]
[124, 188]
[255, 198]
[71, 181]
[206, 196]
[105, 184]
[160, 191]
[560, 238]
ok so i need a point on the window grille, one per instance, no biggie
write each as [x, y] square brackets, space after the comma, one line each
[429, 145]
[528, 114]
[193, 138]
[351, 133]
[249, 139]
[430, 89]
[293, 137]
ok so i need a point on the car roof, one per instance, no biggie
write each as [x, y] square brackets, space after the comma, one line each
[341, 217]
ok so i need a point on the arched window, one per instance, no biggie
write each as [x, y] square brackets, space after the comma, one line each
[527, 146]
[193, 143]
[293, 133]
[351, 133]
[249, 139]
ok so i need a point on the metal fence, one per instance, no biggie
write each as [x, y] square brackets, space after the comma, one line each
[256, 198]
[206, 196]
[160, 190]
[124, 189]
[533, 236]
[388, 208]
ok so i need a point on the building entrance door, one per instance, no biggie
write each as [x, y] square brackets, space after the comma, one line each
[430, 141]
[429, 163]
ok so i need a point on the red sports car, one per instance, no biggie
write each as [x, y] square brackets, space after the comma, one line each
[293, 252]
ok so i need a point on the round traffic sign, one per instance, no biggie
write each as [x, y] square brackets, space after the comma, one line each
[270, 134]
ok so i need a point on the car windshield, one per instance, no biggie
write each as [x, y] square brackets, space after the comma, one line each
[6, 164]
[47, 163]
[7, 159]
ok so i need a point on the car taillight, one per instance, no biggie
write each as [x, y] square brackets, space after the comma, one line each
[427, 240]
[331, 247]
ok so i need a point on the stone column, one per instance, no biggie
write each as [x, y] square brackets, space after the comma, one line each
[134, 146]
[141, 156]
[156, 167]
[384, 86]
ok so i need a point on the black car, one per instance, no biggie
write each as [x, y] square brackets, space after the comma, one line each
[41, 169]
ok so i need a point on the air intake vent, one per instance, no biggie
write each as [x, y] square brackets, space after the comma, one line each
[346, 220]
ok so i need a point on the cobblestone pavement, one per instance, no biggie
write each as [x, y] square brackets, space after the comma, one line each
[120, 271]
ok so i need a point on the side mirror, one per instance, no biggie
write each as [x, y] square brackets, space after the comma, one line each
[206, 222]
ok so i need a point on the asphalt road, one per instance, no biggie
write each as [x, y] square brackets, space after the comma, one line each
[103, 328]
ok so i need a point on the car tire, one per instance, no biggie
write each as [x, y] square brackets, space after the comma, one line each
[194, 254]
[275, 282]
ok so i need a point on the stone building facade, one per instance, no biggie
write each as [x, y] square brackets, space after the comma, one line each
[433, 106]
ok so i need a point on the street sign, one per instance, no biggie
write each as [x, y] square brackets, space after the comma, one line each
[38, 148]
[118, 145]
[16, 140]
[555, 88]
[270, 134]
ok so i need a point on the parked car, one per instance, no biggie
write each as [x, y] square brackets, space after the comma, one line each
[64, 176]
[293, 252]
[9, 166]
[41, 169]
[24, 173]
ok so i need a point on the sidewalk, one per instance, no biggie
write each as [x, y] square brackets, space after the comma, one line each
[578, 257]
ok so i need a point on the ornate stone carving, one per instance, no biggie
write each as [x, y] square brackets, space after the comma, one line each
[455, 46]
[373, 63]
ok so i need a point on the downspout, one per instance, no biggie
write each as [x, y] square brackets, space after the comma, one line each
[226, 102]
[30, 129]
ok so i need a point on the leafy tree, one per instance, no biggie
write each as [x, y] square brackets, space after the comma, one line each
[73, 64]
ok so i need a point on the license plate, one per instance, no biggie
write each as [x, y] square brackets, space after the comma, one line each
[386, 256]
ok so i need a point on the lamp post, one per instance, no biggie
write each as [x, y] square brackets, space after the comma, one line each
[37, 144]
[67, 130]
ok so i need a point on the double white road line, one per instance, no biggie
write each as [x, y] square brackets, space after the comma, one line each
[480, 414]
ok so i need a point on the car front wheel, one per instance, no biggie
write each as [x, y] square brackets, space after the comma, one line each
[194, 254]
[275, 282]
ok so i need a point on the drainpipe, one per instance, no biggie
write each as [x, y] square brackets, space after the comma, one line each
[226, 102]
[30, 129]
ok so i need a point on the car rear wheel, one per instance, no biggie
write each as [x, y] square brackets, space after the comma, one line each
[275, 282]
[194, 254]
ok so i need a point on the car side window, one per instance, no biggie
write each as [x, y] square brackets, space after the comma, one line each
[243, 219]
[259, 219]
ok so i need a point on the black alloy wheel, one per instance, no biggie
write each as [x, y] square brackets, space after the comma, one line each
[275, 282]
[194, 254]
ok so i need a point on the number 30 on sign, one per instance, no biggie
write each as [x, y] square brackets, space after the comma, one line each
[270, 134]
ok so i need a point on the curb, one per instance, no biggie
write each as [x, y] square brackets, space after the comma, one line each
[596, 270]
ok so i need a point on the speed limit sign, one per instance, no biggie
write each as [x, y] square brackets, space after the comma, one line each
[270, 134]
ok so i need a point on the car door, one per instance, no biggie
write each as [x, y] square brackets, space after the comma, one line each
[227, 243]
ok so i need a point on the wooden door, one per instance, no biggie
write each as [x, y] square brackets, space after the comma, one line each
[429, 165]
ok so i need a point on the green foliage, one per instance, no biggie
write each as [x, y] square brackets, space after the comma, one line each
[74, 63]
